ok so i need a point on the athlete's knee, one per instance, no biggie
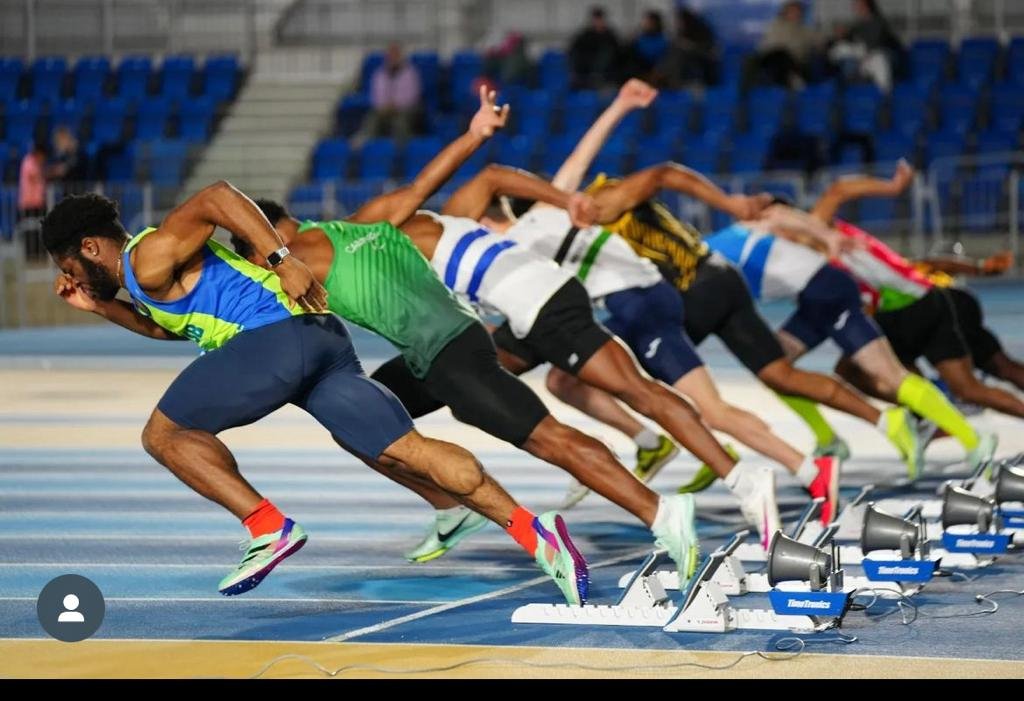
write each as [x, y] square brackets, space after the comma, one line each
[158, 433]
[559, 382]
[780, 376]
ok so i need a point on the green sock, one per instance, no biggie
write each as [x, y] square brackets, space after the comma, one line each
[925, 399]
[809, 412]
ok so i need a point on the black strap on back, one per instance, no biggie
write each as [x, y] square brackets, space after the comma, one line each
[563, 250]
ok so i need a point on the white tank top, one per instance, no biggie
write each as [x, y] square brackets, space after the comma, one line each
[603, 261]
[490, 271]
[775, 268]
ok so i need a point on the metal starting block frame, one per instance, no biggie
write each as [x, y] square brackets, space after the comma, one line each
[645, 603]
[753, 552]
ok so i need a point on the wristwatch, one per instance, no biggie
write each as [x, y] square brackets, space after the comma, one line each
[277, 257]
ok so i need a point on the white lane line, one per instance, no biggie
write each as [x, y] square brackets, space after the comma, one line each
[233, 599]
[359, 632]
[172, 565]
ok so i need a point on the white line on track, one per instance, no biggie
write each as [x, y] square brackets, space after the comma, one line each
[251, 600]
[172, 565]
[359, 632]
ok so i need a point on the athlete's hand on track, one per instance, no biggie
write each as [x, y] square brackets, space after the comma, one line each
[635, 94]
[489, 117]
[747, 207]
[74, 295]
[582, 209]
[299, 284]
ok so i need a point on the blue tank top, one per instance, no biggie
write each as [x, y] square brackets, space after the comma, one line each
[231, 296]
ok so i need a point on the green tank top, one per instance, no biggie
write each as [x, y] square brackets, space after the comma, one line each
[380, 281]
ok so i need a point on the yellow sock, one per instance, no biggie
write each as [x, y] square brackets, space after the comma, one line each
[925, 399]
[808, 410]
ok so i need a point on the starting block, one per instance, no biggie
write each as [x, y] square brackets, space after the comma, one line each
[644, 602]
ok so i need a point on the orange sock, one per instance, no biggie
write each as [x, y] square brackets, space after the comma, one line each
[520, 527]
[264, 519]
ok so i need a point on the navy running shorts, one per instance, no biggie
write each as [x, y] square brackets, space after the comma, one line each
[306, 360]
[650, 320]
[830, 307]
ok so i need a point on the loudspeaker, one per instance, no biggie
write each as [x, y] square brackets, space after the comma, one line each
[884, 531]
[1009, 484]
[790, 561]
[961, 507]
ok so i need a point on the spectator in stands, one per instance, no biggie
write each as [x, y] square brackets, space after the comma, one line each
[691, 55]
[69, 165]
[869, 48]
[394, 98]
[594, 53]
[32, 197]
[786, 50]
[650, 45]
[508, 63]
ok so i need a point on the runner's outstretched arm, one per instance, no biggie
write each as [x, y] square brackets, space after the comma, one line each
[396, 207]
[121, 313]
[183, 233]
[849, 189]
[472, 199]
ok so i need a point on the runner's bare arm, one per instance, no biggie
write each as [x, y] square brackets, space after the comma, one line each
[116, 311]
[472, 199]
[848, 189]
[613, 201]
[396, 207]
[634, 94]
[184, 232]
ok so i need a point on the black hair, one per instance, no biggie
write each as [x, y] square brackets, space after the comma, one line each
[77, 217]
[657, 19]
[597, 11]
[273, 211]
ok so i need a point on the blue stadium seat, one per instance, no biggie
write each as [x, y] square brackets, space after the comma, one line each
[1007, 107]
[814, 114]
[958, 106]
[1014, 70]
[352, 109]
[654, 149]
[91, 73]
[118, 165]
[307, 202]
[580, 107]
[418, 152]
[466, 67]
[196, 118]
[673, 111]
[21, 118]
[731, 66]
[330, 159]
[908, 108]
[67, 113]
[48, 77]
[428, 64]
[168, 162]
[976, 60]
[11, 69]
[944, 144]
[553, 71]
[860, 108]
[719, 110]
[176, 76]
[474, 164]
[515, 151]
[108, 127]
[377, 159]
[151, 119]
[532, 115]
[997, 142]
[133, 74]
[220, 77]
[749, 152]
[928, 59]
[612, 159]
[703, 156]
[878, 214]
[894, 145]
[555, 150]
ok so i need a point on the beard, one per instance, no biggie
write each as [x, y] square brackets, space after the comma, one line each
[102, 285]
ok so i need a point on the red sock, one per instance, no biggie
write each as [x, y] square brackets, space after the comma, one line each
[520, 527]
[264, 519]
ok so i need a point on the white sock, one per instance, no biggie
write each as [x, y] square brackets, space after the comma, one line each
[646, 439]
[738, 479]
[455, 512]
[661, 523]
[807, 472]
